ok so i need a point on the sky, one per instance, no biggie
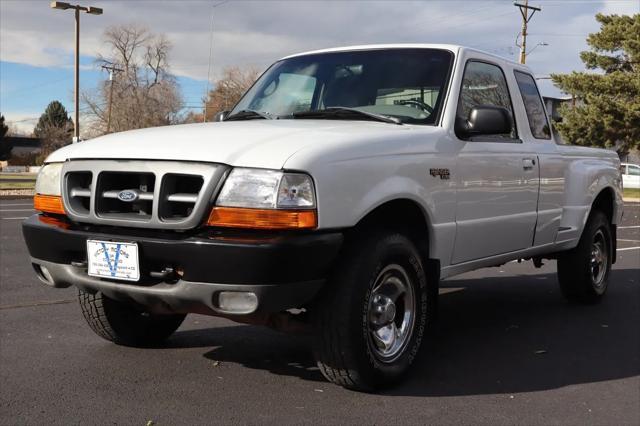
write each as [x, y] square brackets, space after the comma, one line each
[36, 42]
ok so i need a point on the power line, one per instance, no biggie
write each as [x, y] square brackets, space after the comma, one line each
[35, 86]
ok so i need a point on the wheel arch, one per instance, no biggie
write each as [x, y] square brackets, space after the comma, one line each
[405, 215]
[605, 202]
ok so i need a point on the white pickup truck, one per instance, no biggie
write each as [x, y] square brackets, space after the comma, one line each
[332, 199]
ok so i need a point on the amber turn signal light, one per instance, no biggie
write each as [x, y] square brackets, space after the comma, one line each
[234, 217]
[48, 203]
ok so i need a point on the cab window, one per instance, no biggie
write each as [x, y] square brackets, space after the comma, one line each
[533, 106]
[484, 84]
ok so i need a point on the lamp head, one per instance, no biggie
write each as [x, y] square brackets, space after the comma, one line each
[60, 5]
[94, 10]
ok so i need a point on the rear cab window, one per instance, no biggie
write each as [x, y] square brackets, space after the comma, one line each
[533, 106]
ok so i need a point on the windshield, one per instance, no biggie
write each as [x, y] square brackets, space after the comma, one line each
[407, 84]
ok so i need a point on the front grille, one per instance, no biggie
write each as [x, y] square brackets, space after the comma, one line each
[111, 184]
[149, 194]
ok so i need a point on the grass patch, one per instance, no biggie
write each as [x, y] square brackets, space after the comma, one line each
[18, 176]
[17, 180]
[632, 192]
[17, 185]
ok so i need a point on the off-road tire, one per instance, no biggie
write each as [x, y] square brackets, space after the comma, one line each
[125, 324]
[575, 274]
[341, 312]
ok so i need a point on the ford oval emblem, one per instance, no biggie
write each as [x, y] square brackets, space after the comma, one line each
[128, 195]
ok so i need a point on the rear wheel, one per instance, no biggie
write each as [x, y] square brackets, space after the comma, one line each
[583, 272]
[125, 324]
[371, 318]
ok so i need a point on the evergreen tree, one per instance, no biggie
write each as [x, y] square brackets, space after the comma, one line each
[54, 128]
[5, 146]
[607, 112]
[55, 115]
[3, 127]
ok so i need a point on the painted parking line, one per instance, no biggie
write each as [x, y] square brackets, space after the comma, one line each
[15, 210]
[14, 218]
[33, 304]
[15, 204]
[631, 241]
[628, 248]
[629, 227]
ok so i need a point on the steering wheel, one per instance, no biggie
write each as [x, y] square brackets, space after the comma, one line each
[414, 102]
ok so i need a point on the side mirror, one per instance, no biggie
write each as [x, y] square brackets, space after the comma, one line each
[485, 120]
[221, 116]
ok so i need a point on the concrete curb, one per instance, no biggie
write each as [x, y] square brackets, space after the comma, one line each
[8, 194]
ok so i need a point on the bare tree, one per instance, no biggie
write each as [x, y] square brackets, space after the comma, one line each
[144, 93]
[229, 89]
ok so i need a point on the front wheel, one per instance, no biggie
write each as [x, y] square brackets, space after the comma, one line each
[371, 319]
[583, 272]
[125, 324]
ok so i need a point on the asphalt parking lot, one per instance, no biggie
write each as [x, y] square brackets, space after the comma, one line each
[507, 350]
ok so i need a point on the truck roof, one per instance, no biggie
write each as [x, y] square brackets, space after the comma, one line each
[451, 47]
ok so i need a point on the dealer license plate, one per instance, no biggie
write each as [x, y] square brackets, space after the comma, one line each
[109, 259]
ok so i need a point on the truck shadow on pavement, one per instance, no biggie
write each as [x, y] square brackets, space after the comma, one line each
[494, 335]
[254, 347]
[517, 334]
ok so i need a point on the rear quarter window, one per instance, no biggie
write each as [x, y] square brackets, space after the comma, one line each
[533, 106]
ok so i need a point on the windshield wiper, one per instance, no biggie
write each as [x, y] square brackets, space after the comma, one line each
[343, 112]
[248, 114]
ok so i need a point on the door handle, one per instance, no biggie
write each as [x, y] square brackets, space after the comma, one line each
[528, 163]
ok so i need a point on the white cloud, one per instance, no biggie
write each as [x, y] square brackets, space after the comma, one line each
[22, 122]
[620, 7]
[258, 32]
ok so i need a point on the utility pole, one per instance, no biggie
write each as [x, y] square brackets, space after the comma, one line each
[206, 91]
[526, 17]
[112, 69]
[76, 73]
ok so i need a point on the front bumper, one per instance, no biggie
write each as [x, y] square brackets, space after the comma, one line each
[283, 270]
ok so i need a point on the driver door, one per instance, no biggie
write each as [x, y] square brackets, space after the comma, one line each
[497, 183]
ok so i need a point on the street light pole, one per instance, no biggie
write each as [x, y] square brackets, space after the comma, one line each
[76, 81]
[76, 74]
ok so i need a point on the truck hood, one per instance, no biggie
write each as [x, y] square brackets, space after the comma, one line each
[252, 143]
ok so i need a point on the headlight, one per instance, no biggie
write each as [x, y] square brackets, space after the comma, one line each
[267, 189]
[49, 181]
[265, 199]
[49, 189]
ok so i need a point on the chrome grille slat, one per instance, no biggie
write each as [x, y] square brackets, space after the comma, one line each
[169, 194]
[182, 198]
[144, 196]
[81, 192]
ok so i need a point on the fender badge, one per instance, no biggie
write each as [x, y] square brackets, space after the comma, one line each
[443, 173]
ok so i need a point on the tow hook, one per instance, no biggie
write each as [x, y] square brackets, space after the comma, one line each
[165, 274]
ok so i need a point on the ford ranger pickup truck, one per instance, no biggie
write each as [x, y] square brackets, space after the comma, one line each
[331, 200]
